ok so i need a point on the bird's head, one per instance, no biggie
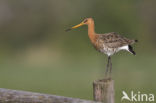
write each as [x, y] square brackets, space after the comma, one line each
[84, 22]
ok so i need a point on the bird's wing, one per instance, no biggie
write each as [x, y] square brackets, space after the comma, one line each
[114, 40]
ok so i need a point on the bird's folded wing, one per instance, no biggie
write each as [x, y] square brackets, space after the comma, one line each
[114, 40]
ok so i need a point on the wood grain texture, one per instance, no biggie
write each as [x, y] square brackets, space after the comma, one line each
[16, 96]
[103, 90]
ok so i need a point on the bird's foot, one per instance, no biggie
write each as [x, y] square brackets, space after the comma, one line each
[108, 75]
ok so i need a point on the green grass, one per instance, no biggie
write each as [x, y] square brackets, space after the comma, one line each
[72, 77]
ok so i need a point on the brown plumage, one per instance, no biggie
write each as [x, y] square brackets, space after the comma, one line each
[108, 43]
[114, 40]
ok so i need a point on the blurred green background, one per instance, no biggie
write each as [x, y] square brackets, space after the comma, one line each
[36, 54]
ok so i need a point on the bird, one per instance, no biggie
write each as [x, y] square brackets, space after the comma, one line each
[107, 43]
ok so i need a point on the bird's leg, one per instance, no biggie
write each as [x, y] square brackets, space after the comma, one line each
[108, 66]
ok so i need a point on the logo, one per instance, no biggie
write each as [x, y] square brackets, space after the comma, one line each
[137, 97]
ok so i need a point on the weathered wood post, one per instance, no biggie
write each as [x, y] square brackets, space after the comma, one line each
[16, 96]
[103, 90]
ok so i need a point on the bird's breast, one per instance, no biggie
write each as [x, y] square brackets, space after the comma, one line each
[101, 47]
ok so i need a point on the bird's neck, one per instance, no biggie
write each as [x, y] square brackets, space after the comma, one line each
[91, 31]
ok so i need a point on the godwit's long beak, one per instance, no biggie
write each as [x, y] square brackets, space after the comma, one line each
[76, 26]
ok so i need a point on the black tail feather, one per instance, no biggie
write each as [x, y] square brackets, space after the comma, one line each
[136, 41]
[130, 48]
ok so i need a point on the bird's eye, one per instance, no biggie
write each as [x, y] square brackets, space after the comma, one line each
[85, 21]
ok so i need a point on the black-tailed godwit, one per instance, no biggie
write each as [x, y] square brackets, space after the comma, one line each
[108, 43]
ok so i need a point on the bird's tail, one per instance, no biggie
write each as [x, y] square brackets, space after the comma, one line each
[135, 41]
[130, 49]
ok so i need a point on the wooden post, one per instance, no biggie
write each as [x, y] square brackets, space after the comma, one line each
[103, 90]
[16, 96]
